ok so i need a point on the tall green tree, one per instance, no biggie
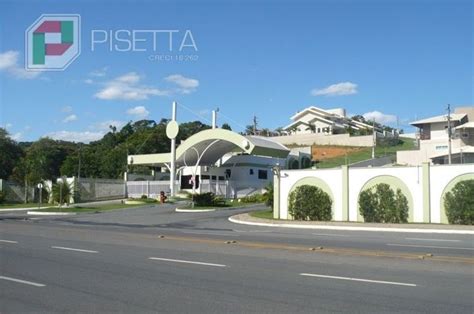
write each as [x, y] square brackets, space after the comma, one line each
[10, 154]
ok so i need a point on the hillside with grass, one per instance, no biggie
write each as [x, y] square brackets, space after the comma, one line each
[327, 156]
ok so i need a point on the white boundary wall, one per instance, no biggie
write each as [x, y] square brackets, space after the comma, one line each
[424, 187]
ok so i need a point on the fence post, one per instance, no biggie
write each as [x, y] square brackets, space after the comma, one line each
[147, 188]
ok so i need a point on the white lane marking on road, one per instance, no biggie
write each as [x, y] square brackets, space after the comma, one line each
[432, 246]
[330, 235]
[73, 249]
[360, 279]
[253, 231]
[8, 241]
[438, 240]
[185, 262]
[31, 283]
[211, 233]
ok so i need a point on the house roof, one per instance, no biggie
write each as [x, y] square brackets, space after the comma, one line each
[442, 118]
[208, 146]
[468, 125]
[457, 150]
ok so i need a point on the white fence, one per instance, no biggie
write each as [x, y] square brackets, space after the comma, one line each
[152, 189]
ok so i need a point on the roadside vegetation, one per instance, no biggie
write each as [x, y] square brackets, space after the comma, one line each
[459, 203]
[309, 202]
[381, 203]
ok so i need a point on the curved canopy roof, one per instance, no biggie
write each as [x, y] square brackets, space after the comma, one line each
[208, 146]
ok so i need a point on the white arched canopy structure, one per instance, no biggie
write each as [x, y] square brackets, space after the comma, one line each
[208, 146]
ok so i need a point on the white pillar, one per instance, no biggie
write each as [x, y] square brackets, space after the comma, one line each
[214, 118]
[173, 155]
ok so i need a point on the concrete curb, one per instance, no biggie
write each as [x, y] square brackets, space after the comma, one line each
[236, 220]
[180, 210]
[49, 213]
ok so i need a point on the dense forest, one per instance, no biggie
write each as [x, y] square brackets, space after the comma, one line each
[47, 159]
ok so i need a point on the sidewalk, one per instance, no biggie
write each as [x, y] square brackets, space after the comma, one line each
[246, 219]
[32, 208]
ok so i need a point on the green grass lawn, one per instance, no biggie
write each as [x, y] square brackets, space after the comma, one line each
[366, 153]
[21, 205]
[265, 214]
[88, 209]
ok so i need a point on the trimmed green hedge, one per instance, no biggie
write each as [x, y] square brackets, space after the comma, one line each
[459, 203]
[309, 202]
[382, 204]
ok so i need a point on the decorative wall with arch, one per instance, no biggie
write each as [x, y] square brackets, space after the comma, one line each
[424, 187]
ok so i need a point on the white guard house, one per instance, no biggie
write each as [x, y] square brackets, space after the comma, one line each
[216, 160]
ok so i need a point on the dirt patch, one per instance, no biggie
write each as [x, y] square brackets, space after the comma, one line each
[321, 152]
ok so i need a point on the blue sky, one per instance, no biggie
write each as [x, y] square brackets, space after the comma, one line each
[404, 59]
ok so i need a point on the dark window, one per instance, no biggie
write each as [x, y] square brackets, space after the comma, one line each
[251, 172]
[263, 174]
[186, 182]
[214, 178]
[205, 177]
[228, 173]
[221, 178]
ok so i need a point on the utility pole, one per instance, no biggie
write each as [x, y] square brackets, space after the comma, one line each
[449, 134]
[173, 153]
[254, 125]
[374, 138]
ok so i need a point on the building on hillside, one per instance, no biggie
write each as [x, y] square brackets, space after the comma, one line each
[216, 160]
[433, 140]
[323, 121]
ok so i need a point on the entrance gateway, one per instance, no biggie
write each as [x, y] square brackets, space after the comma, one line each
[215, 160]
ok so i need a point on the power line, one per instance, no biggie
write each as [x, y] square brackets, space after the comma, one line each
[195, 113]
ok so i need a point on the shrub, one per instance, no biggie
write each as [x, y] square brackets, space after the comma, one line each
[2, 197]
[255, 198]
[268, 195]
[62, 192]
[309, 202]
[204, 199]
[382, 204]
[144, 197]
[459, 203]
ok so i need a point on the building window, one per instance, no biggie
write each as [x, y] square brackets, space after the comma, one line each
[251, 172]
[228, 173]
[263, 174]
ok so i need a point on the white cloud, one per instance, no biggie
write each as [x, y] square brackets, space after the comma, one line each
[66, 109]
[105, 125]
[343, 88]
[185, 85]
[70, 118]
[8, 59]
[89, 81]
[99, 72]
[9, 63]
[380, 117]
[8, 125]
[126, 87]
[74, 136]
[17, 136]
[138, 112]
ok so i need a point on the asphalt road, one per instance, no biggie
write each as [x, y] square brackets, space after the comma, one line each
[117, 262]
